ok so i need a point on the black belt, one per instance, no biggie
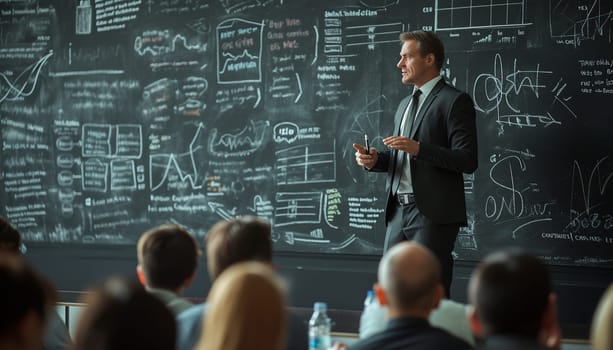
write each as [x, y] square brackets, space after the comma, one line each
[405, 198]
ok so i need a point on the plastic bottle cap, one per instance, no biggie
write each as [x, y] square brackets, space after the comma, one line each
[320, 306]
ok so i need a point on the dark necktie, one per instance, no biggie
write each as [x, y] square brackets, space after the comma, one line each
[406, 131]
[408, 124]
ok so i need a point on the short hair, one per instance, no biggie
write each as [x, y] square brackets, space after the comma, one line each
[429, 43]
[240, 239]
[10, 239]
[168, 255]
[510, 292]
[409, 273]
[246, 310]
[21, 290]
[121, 315]
[602, 324]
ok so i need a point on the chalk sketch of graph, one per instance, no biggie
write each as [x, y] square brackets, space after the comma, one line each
[239, 51]
[306, 164]
[239, 144]
[492, 14]
[577, 20]
[339, 40]
[160, 42]
[371, 35]
[24, 83]
[293, 208]
[160, 165]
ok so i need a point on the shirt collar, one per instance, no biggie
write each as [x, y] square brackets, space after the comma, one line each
[428, 87]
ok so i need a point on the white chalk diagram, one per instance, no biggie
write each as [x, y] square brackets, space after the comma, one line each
[239, 144]
[184, 164]
[499, 92]
[306, 164]
[295, 208]
[338, 40]
[234, 6]
[24, 83]
[97, 146]
[239, 64]
[580, 20]
[450, 15]
[163, 42]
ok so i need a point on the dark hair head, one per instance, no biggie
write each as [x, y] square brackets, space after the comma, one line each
[121, 315]
[429, 43]
[9, 236]
[241, 239]
[510, 291]
[168, 255]
[21, 290]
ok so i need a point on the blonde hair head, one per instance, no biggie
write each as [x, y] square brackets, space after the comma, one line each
[246, 310]
[602, 324]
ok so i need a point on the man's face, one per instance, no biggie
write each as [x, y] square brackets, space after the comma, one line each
[415, 68]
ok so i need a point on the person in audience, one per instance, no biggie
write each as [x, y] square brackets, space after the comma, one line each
[56, 333]
[122, 315]
[410, 286]
[167, 260]
[26, 300]
[513, 304]
[450, 316]
[247, 310]
[602, 324]
[227, 243]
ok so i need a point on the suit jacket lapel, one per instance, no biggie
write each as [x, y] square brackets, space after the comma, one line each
[399, 113]
[424, 108]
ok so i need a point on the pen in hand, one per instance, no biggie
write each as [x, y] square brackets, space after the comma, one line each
[366, 144]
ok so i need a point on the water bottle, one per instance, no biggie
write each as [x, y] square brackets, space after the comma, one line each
[319, 328]
[370, 297]
[373, 318]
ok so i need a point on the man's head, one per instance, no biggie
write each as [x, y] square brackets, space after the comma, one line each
[421, 57]
[25, 300]
[120, 314]
[9, 237]
[511, 294]
[167, 258]
[241, 239]
[409, 281]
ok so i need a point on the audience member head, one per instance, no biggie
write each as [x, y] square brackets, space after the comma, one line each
[510, 292]
[121, 315]
[25, 300]
[409, 281]
[602, 324]
[10, 239]
[237, 240]
[247, 310]
[167, 258]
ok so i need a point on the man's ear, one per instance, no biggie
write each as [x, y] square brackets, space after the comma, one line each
[438, 296]
[475, 322]
[141, 275]
[189, 280]
[380, 294]
[430, 59]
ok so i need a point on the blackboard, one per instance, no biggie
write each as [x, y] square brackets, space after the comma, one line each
[119, 115]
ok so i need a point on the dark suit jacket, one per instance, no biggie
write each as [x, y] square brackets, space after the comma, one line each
[505, 342]
[446, 130]
[411, 333]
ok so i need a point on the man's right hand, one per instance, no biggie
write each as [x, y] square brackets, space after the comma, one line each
[365, 159]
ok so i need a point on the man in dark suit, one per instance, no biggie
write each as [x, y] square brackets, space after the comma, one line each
[513, 304]
[409, 284]
[436, 142]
